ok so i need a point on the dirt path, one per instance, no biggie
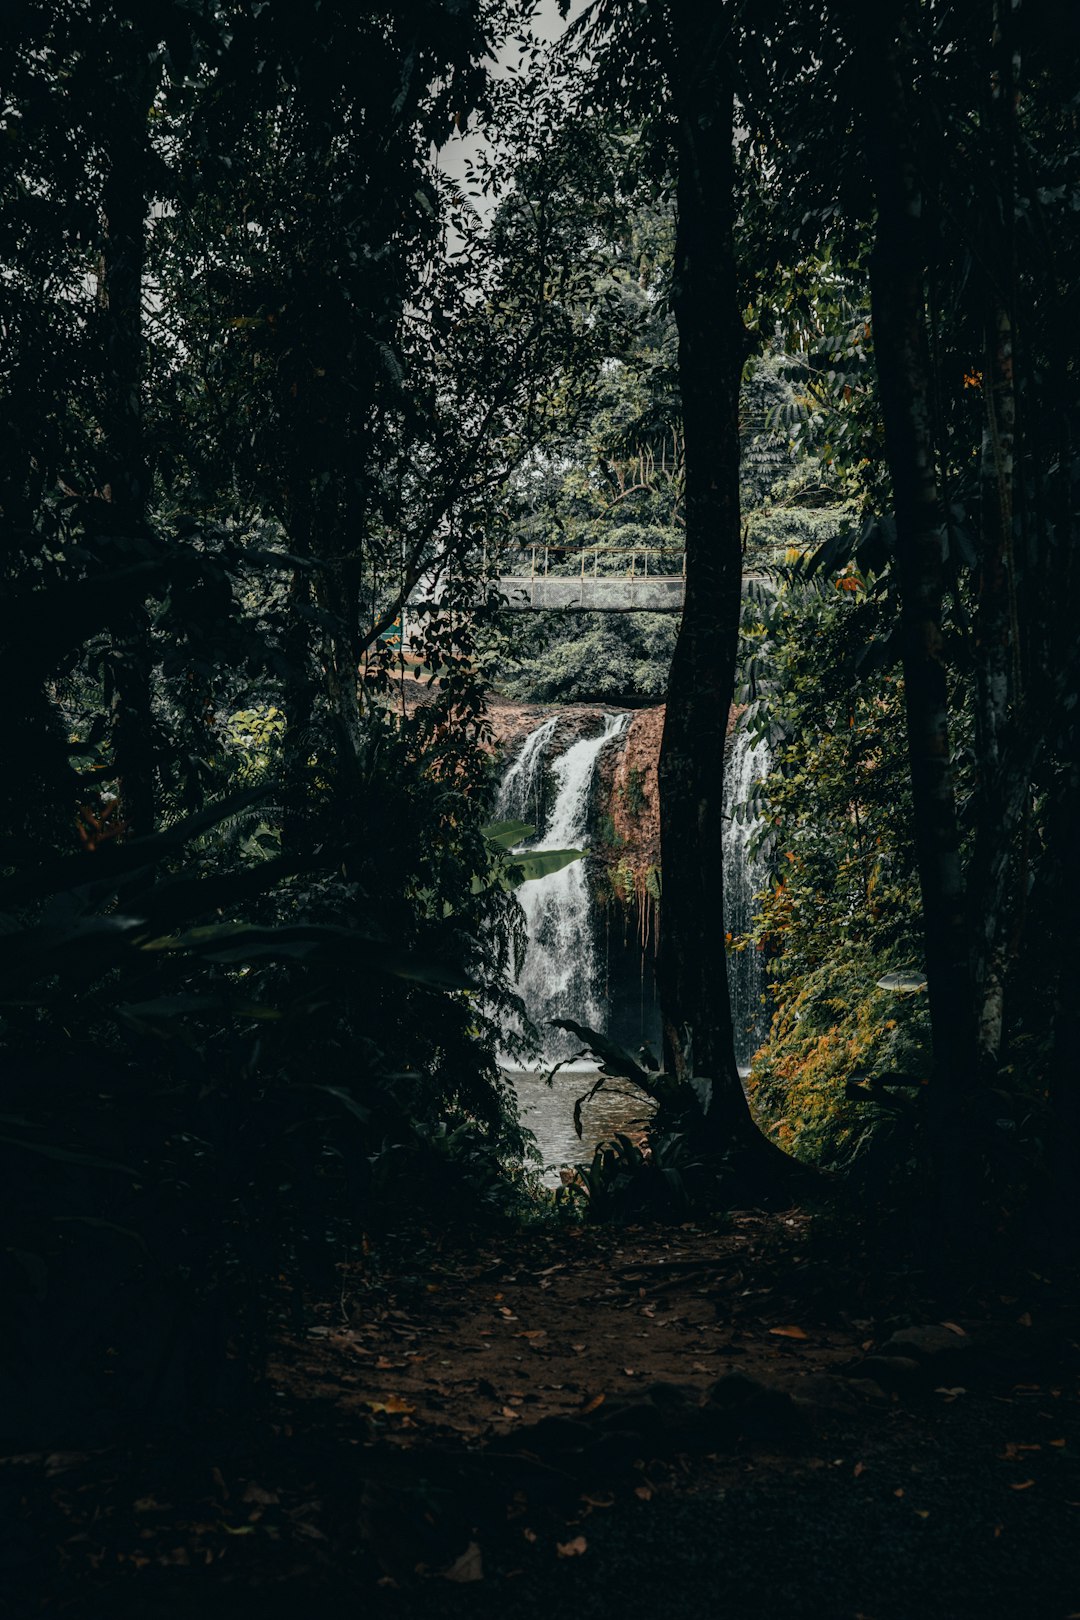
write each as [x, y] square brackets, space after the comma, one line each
[649, 1422]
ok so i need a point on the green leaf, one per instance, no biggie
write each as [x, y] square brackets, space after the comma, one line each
[612, 1056]
[68, 1155]
[188, 1002]
[246, 942]
[348, 1102]
[541, 863]
[506, 834]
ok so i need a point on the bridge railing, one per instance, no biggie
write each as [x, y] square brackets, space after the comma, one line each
[638, 562]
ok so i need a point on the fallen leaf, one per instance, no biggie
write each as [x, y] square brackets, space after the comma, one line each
[531, 1333]
[998, 1528]
[530, 1535]
[469, 1567]
[310, 1531]
[1057, 1442]
[600, 1501]
[860, 1468]
[790, 1332]
[590, 1406]
[921, 1513]
[899, 1492]
[1024, 1319]
[255, 1493]
[645, 1492]
[392, 1403]
[509, 1412]
[1023, 1485]
[571, 1549]
[954, 1327]
[578, 1347]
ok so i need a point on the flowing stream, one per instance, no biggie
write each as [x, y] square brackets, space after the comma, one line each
[744, 876]
[561, 974]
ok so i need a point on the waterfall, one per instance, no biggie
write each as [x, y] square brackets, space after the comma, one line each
[521, 795]
[744, 876]
[560, 977]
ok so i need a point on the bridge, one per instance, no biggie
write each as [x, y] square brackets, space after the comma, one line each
[645, 583]
[589, 593]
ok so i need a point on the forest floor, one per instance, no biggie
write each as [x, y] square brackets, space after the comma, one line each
[739, 1421]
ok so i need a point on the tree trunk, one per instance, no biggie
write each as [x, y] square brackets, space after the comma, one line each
[125, 475]
[1005, 752]
[901, 349]
[695, 1001]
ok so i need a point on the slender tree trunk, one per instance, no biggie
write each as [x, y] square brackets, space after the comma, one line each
[125, 477]
[1005, 755]
[901, 348]
[695, 1001]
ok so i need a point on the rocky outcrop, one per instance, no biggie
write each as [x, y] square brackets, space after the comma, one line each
[629, 825]
[512, 722]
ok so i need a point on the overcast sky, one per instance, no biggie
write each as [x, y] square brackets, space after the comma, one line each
[547, 25]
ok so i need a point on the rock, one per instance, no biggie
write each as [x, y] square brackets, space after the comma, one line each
[673, 1398]
[610, 1455]
[926, 1341]
[893, 1372]
[642, 1418]
[551, 1436]
[867, 1389]
[820, 1392]
[734, 1389]
[739, 1407]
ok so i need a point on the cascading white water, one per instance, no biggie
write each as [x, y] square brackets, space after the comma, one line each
[521, 795]
[560, 975]
[744, 876]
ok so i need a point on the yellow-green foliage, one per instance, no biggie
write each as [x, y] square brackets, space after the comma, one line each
[842, 908]
[832, 1024]
[254, 738]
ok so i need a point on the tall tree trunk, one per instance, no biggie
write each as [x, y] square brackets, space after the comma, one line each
[1005, 753]
[125, 473]
[901, 349]
[989, 876]
[695, 1000]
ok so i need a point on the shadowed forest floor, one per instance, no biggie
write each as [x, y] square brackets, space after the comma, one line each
[603, 1422]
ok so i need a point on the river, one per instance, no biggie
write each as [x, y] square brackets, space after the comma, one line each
[548, 1111]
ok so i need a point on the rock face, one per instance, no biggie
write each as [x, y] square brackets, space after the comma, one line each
[512, 722]
[633, 807]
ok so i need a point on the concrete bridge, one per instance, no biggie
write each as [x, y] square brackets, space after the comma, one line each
[593, 593]
[635, 590]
